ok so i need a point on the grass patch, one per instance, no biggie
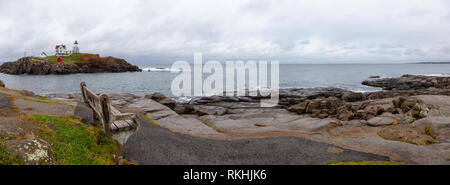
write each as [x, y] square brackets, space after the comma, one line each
[75, 143]
[45, 100]
[5, 157]
[429, 131]
[42, 97]
[4, 94]
[150, 120]
[430, 142]
[70, 59]
[208, 124]
[12, 90]
[370, 163]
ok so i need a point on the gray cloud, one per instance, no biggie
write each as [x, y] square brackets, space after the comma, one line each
[291, 31]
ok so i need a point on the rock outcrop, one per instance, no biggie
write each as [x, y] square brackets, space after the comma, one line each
[410, 125]
[162, 99]
[410, 82]
[35, 66]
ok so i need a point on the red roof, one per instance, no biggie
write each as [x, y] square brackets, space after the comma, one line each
[63, 46]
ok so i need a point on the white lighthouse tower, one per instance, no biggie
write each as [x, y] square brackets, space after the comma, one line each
[76, 48]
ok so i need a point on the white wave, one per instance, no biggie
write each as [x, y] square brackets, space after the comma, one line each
[437, 75]
[160, 69]
[182, 99]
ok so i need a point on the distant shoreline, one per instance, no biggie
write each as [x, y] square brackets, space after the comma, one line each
[431, 63]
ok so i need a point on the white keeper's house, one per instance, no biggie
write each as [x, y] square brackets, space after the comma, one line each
[61, 50]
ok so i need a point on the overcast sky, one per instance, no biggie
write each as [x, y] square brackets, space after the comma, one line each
[301, 31]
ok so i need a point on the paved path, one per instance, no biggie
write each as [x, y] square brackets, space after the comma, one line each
[152, 145]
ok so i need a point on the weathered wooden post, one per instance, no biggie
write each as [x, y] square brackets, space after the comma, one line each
[95, 116]
[106, 110]
[83, 93]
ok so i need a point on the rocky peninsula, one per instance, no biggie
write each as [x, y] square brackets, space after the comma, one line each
[75, 63]
[407, 125]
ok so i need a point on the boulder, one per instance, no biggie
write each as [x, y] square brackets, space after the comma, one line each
[352, 97]
[313, 105]
[168, 102]
[184, 109]
[85, 113]
[409, 103]
[299, 108]
[28, 93]
[162, 99]
[344, 114]
[2, 84]
[411, 106]
[420, 111]
[155, 96]
[31, 151]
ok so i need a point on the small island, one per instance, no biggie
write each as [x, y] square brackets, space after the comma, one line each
[69, 62]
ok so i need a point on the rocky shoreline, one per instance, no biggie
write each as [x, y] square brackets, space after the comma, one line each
[96, 64]
[409, 124]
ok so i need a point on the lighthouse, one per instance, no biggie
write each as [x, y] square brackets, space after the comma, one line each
[76, 48]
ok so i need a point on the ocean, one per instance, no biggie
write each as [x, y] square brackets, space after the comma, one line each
[159, 79]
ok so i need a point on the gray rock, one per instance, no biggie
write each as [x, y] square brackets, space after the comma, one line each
[380, 121]
[355, 122]
[15, 127]
[352, 96]
[31, 151]
[313, 105]
[85, 113]
[439, 127]
[122, 99]
[5, 102]
[160, 114]
[168, 102]
[28, 93]
[299, 108]
[410, 82]
[184, 109]
[147, 106]
[51, 126]
[155, 96]
[209, 110]
[405, 134]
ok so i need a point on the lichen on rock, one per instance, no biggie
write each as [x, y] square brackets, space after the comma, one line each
[31, 151]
